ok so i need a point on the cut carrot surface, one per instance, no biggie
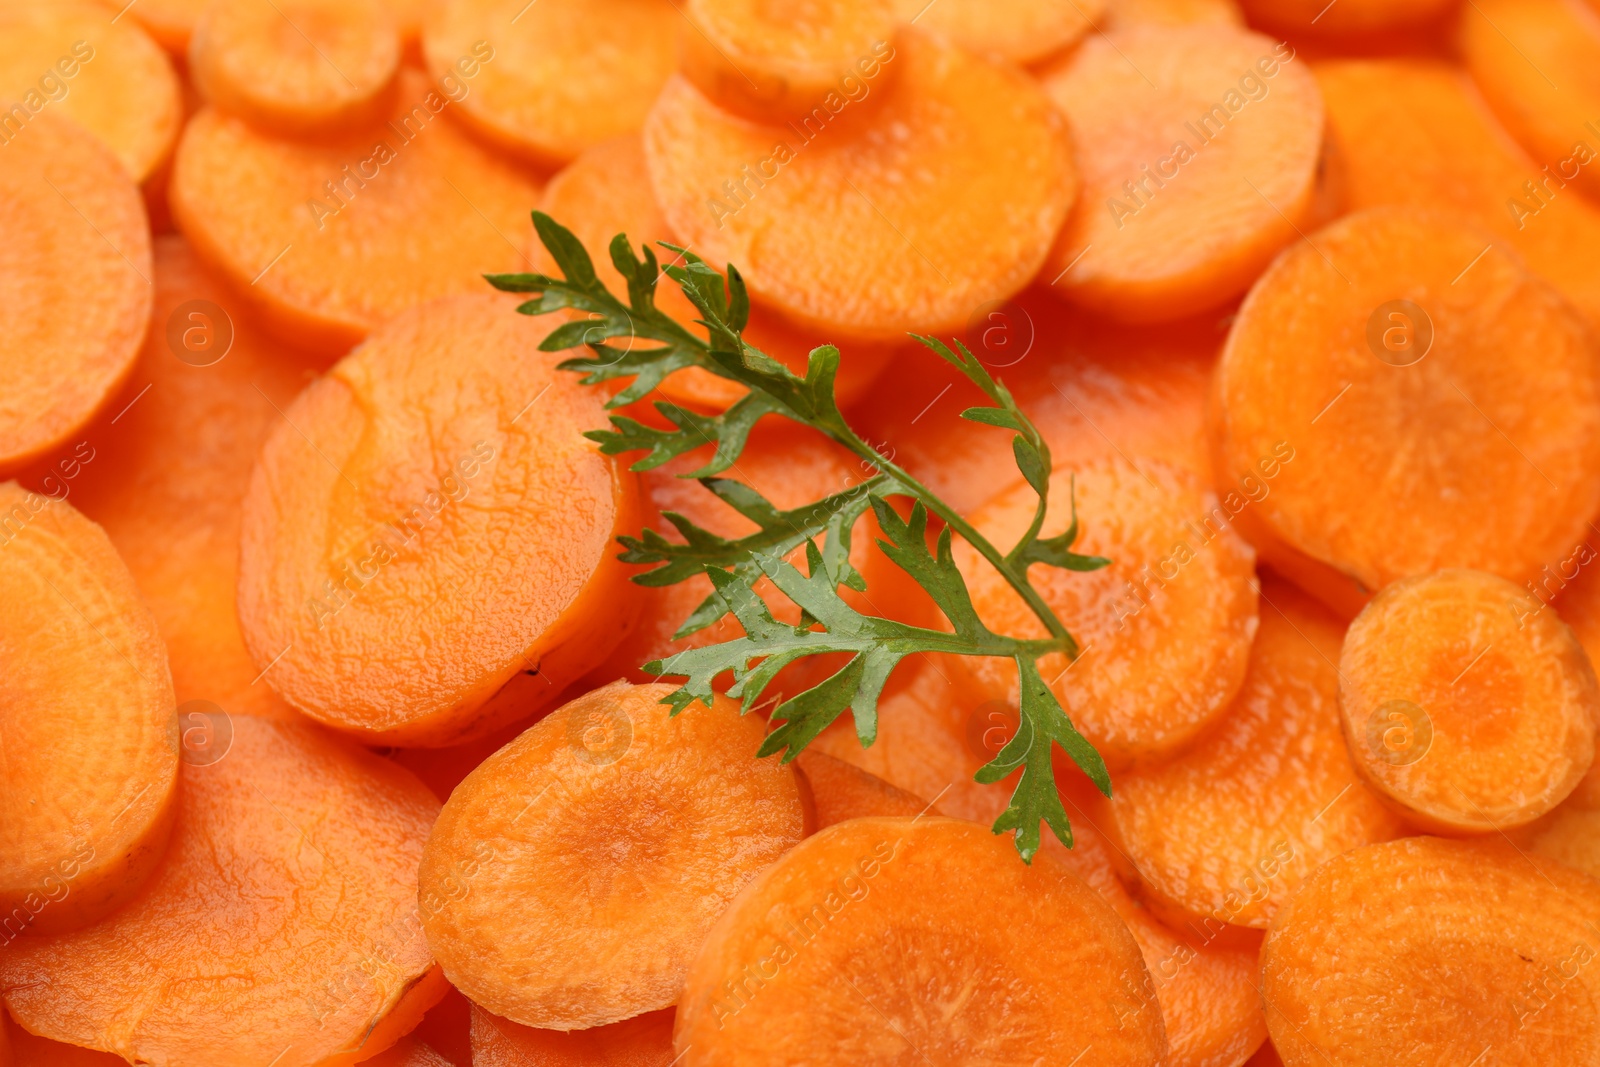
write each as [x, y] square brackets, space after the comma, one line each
[841, 791]
[1570, 833]
[993, 179]
[84, 682]
[643, 1041]
[300, 851]
[172, 22]
[1121, 14]
[1452, 947]
[793, 972]
[1225, 832]
[574, 873]
[73, 223]
[410, 482]
[545, 81]
[1019, 31]
[1379, 346]
[297, 66]
[298, 227]
[1199, 148]
[1345, 17]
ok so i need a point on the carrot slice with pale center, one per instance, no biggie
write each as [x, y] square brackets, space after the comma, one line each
[643, 1041]
[1018, 31]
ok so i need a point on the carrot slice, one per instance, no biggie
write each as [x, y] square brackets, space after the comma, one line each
[1165, 629]
[1121, 14]
[606, 191]
[994, 179]
[1417, 931]
[1225, 832]
[297, 67]
[1528, 435]
[841, 791]
[60, 190]
[297, 226]
[408, 1052]
[1344, 18]
[1018, 31]
[788, 974]
[1183, 206]
[85, 688]
[643, 1041]
[322, 961]
[411, 474]
[1570, 833]
[557, 76]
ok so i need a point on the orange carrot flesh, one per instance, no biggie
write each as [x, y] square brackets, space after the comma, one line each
[1017, 31]
[643, 1041]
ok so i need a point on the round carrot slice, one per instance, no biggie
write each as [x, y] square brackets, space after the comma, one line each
[556, 76]
[1464, 705]
[296, 66]
[1225, 832]
[571, 877]
[795, 971]
[1121, 14]
[1376, 348]
[841, 791]
[440, 465]
[72, 220]
[1344, 18]
[1165, 630]
[1417, 931]
[75, 58]
[320, 961]
[1019, 31]
[643, 1041]
[1199, 147]
[993, 179]
[297, 226]
[606, 191]
[86, 719]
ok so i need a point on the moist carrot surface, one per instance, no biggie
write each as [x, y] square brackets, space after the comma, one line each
[643, 1041]
[1020, 31]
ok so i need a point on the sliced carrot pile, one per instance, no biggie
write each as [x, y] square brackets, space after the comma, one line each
[440, 465]
[1448, 947]
[994, 179]
[574, 873]
[74, 224]
[87, 723]
[557, 76]
[1020, 31]
[1345, 17]
[606, 191]
[1199, 149]
[841, 791]
[794, 971]
[298, 226]
[775, 61]
[297, 66]
[1121, 14]
[1486, 463]
[643, 1041]
[1225, 832]
[300, 852]
[1165, 630]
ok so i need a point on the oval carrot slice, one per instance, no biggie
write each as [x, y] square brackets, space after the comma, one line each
[74, 57]
[1418, 930]
[322, 961]
[841, 791]
[1345, 18]
[1183, 207]
[1225, 832]
[643, 1041]
[412, 474]
[571, 877]
[557, 76]
[1165, 629]
[1019, 31]
[86, 721]
[1528, 434]
[296, 67]
[296, 226]
[788, 974]
[1121, 14]
[994, 171]
[61, 368]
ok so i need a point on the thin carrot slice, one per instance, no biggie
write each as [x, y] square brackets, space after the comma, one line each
[297, 67]
[321, 961]
[557, 76]
[1417, 932]
[643, 1041]
[72, 220]
[1344, 18]
[87, 722]
[841, 791]
[1199, 147]
[76, 58]
[1379, 346]
[1121, 14]
[1225, 832]
[1018, 31]
[795, 971]
[297, 226]
[411, 474]
[571, 877]
[1165, 629]
[606, 191]
[994, 178]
